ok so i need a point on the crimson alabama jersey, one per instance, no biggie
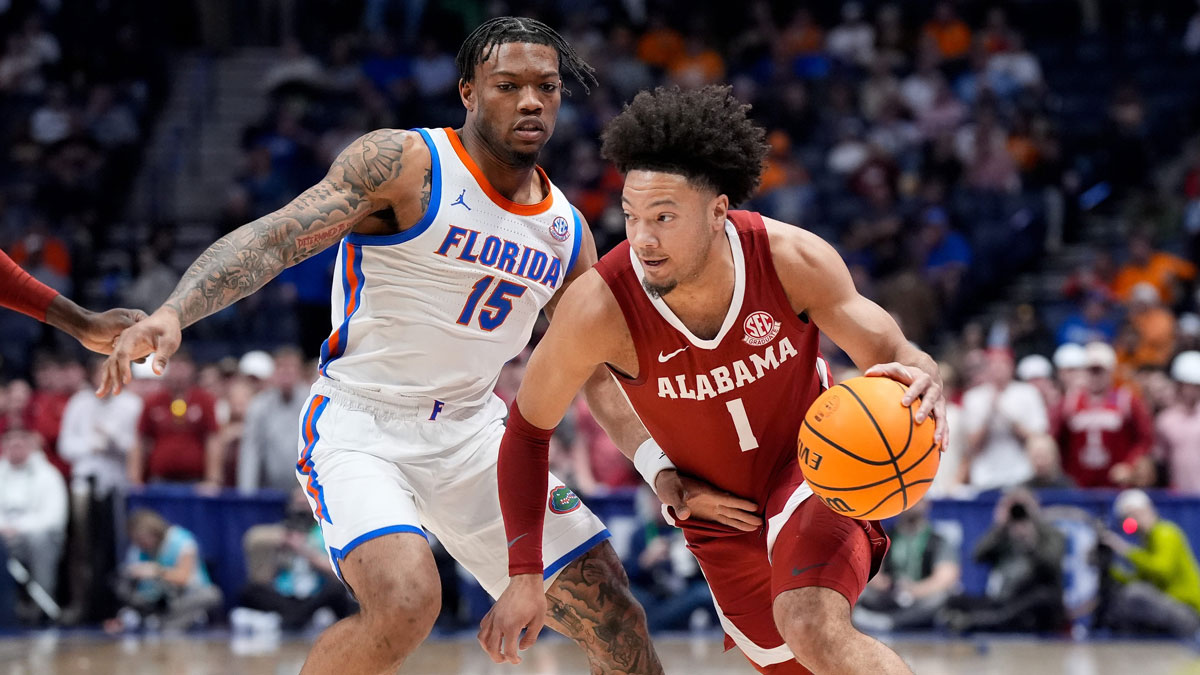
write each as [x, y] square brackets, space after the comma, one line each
[725, 410]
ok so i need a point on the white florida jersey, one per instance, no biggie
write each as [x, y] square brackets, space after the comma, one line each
[436, 311]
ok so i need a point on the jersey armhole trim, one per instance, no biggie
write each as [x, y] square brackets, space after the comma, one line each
[763, 237]
[576, 242]
[435, 200]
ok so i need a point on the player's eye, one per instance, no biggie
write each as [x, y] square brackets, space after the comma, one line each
[505, 86]
[666, 217]
[549, 88]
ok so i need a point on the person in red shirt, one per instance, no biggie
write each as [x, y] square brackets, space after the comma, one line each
[177, 434]
[710, 320]
[1104, 428]
[24, 294]
[55, 381]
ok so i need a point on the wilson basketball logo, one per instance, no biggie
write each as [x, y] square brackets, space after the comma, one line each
[760, 328]
[563, 500]
[559, 229]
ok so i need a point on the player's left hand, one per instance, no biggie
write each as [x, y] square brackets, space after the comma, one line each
[923, 386]
[692, 497]
[522, 606]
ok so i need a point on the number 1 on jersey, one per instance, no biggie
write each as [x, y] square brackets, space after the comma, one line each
[500, 303]
[737, 410]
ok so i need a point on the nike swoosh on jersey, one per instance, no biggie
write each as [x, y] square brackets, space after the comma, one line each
[663, 358]
[517, 538]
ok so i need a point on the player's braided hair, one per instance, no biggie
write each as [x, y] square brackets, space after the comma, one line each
[702, 134]
[478, 46]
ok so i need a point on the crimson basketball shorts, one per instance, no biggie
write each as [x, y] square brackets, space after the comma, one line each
[804, 544]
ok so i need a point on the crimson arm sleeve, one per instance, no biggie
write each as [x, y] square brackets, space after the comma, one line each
[522, 475]
[21, 291]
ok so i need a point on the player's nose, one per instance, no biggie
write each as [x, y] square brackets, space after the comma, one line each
[530, 103]
[640, 236]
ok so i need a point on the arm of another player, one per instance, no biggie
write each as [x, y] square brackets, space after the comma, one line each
[608, 404]
[817, 281]
[244, 260]
[576, 343]
[94, 330]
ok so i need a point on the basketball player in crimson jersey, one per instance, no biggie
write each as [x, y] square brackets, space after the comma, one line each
[709, 320]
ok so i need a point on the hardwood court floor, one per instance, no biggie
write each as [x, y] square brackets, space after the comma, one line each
[77, 654]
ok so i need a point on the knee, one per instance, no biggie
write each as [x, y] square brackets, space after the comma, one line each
[812, 621]
[401, 614]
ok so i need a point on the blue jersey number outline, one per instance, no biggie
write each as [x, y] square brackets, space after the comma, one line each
[499, 303]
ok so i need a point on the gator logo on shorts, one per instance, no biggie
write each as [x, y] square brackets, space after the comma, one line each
[563, 500]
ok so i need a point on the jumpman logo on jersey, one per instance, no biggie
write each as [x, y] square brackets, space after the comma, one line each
[460, 200]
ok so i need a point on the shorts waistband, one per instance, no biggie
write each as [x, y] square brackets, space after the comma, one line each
[386, 405]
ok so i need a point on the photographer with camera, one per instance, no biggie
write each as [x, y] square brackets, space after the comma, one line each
[1025, 587]
[919, 575]
[1159, 580]
[290, 578]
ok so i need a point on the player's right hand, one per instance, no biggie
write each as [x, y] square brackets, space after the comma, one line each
[522, 606]
[691, 497]
[160, 334]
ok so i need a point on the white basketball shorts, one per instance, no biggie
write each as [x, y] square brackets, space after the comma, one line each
[373, 466]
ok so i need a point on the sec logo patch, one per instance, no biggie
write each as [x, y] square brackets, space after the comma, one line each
[559, 229]
[760, 328]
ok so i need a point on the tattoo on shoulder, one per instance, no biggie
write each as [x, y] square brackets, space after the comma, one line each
[375, 158]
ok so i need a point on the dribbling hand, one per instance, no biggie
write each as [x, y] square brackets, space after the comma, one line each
[922, 386]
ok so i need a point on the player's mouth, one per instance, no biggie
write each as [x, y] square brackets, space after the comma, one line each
[653, 263]
[530, 129]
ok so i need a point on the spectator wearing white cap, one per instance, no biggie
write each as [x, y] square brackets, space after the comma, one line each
[1178, 427]
[1038, 371]
[1105, 430]
[1070, 361]
[999, 415]
[269, 438]
[1159, 577]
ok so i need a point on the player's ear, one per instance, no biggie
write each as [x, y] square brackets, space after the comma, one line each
[719, 209]
[466, 92]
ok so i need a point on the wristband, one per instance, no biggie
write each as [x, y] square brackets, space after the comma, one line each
[650, 460]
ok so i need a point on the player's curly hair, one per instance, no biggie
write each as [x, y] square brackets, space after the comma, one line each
[492, 33]
[702, 134]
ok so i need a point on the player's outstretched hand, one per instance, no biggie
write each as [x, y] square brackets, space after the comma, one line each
[921, 385]
[691, 497]
[100, 329]
[521, 607]
[159, 334]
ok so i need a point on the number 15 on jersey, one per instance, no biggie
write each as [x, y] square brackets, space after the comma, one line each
[496, 308]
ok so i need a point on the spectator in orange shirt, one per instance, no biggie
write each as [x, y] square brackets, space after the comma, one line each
[1153, 329]
[1160, 269]
[660, 45]
[698, 65]
[802, 36]
[950, 33]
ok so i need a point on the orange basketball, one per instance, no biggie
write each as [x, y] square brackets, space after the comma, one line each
[861, 451]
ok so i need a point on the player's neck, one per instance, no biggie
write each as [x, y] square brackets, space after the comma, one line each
[702, 302]
[517, 184]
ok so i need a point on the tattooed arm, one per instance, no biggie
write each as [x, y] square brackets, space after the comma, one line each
[367, 189]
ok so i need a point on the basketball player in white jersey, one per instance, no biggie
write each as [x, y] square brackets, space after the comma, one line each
[451, 242]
